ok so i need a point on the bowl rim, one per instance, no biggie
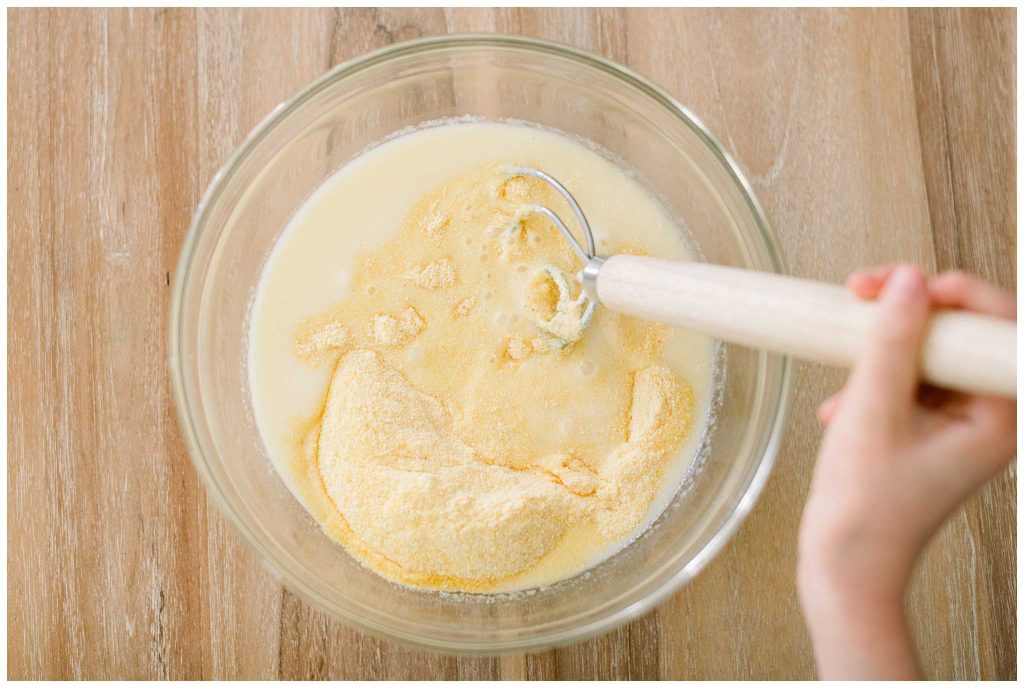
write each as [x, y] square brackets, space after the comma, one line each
[781, 401]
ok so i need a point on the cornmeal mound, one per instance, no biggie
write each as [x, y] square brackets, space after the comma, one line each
[462, 436]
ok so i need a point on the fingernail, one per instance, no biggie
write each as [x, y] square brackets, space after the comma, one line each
[906, 283]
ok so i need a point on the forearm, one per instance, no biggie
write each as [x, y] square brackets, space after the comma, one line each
[857, 633]
[893, 465]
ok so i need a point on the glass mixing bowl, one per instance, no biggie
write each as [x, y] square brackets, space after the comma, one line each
[309, 137]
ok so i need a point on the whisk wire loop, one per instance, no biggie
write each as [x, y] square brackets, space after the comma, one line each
[588, 235]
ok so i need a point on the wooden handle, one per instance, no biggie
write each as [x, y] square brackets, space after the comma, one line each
[809, 320]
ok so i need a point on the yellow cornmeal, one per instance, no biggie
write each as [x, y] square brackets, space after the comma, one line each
[441, 458]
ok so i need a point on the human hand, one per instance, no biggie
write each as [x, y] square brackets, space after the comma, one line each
[896, 460]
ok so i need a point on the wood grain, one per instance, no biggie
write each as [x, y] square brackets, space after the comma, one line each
[869, 136]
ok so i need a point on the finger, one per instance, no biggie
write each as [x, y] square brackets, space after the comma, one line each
[868, 282]
[828, 408]
[885, 375]
[959, 290]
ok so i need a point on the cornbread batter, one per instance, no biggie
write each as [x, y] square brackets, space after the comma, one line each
[417, 378]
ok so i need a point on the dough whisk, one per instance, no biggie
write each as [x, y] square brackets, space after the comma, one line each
[788, 315]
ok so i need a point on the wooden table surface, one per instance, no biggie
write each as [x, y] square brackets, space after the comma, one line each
[869, 136]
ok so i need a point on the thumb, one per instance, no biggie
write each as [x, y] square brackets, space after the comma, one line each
[885, 376]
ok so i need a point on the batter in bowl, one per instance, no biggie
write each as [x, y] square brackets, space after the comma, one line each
[413, 381]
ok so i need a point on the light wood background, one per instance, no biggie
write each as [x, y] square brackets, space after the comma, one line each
[869, 136]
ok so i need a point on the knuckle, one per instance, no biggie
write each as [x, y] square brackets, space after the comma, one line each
[902, 315]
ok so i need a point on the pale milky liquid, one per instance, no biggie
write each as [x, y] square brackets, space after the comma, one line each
[362, 206]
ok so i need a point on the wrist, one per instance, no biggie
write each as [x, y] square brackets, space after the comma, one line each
[829, 592]
[856, 616]
[853, 598]
[845, 567]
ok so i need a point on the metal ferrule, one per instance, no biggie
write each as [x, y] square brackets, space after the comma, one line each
[588, 277]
